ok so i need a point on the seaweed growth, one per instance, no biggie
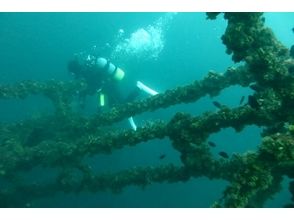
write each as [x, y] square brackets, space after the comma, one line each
[61, 141]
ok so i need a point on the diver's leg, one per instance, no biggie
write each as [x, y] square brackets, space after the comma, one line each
[116, 98]
[114, 94]
[133, 94]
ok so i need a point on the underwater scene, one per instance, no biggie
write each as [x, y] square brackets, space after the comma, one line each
[147, 109]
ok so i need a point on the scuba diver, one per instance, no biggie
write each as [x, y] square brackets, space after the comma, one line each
[103, 78]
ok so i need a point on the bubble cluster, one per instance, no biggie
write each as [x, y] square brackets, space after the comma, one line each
[145, 43]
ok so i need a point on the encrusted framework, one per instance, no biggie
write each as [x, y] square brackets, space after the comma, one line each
[64, 139]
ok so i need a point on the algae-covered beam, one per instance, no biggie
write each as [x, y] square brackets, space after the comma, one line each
[59, 92]
[257, 176]
[23, 89]
[247, 39]
[211, 85]
[24, 195]
[182, 127]
[251, 176]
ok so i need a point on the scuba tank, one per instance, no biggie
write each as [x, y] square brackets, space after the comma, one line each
[110, 69]
[111, 72]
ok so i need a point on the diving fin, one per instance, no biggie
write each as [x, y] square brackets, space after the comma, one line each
[132, 123]
[146, 89]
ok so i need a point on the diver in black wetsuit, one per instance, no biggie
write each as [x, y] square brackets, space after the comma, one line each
[103, 77]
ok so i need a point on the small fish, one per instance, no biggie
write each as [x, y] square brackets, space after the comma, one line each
[242, 100]
[252, 102]
[293, 29]
[211, 144]
[217, 104]
[162, 156]
[255, 87]
[223, 154]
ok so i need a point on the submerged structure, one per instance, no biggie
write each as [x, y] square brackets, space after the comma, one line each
[63, 140]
